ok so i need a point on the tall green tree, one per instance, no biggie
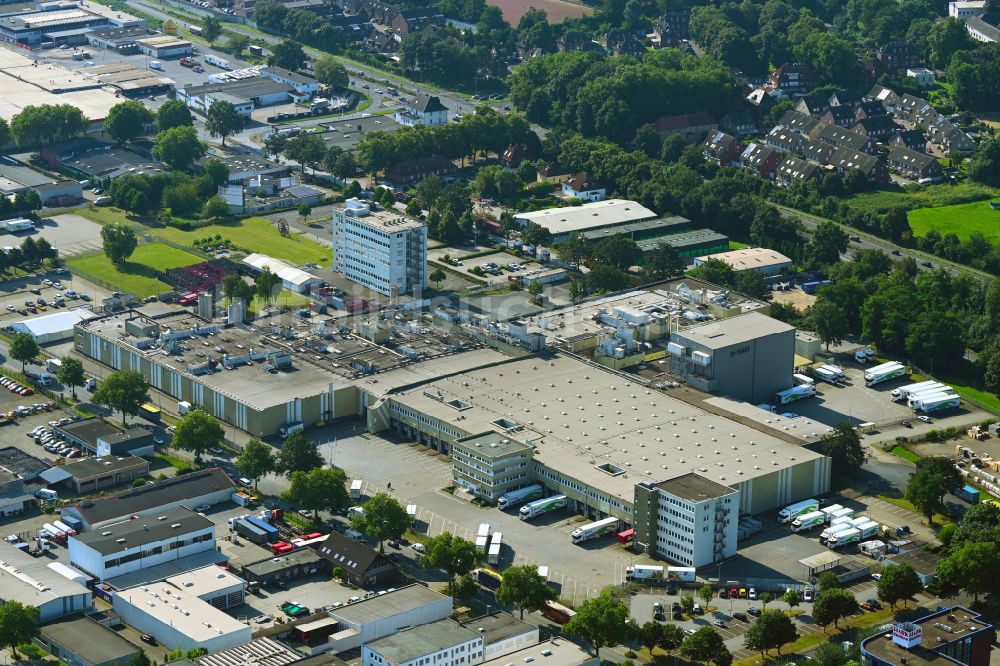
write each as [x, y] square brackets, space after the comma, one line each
[715, 271]
[792, 598]
[617, 251]
[306, 149]
[255, 461]
[211, 28]
[844, 448]
[829, 241]
[329, 71]
[452, 554]
[898, 583]
[946, 38]
[288, 54]
[198, 431]
[524, 587]
[179, 147]
[70, 373]
[127, 120]
[268, 285]
[141, 659]
[234, 286]
[832, 606]
[317, 489]
[124, 391]
[223, 119]
[18, 624]
[173, 113]
[649, 634]
[35, 126]
[671, 638]
[119, 242]
[23, 348]
[662, 263]
[298, 454]
[972, 567]
[703, 645]
[383, 517]
[933, 478]
[600, 622]
[829, 321]
[238, 44]
[984, 167]
[771, 630]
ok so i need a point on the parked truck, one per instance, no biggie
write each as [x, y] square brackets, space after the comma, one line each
[251, 532]
[831, 508]
[595, 530]
[966, 492]
[904, 392]
[272, 531]
[681, 574]
[836, 528]
[884, 372]
[837, 371]
[853, 535]
[67, 529]
[542, 506]
[793, 511]
[826, 376]
[795, 393]
[807, 521]
[939, 403]
[644, 573]
[914, 398]
[53, 365]
[842, 512]
[493, 556]
[517, 497]
[183, 407]
[483, 538]
[221, 63]
[803, 380]
[356, 489]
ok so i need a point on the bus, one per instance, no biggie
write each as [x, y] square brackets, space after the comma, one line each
[557, 612]
[488, 578]
[150, 412]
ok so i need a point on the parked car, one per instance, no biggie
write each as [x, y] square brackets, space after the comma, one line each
[753, 610]
[658, 613]
[148, 638]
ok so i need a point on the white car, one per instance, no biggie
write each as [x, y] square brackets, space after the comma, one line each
[925, 419]
[418, 547]
[202, 508]
[876, 576]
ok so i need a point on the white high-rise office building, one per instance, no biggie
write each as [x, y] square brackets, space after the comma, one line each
[379, 249]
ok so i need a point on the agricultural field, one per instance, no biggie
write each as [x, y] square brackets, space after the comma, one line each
[557, 10]
[139, 274]
[917, 196]
[960, 219]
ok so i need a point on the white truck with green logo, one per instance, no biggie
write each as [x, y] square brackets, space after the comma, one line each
[542, 506]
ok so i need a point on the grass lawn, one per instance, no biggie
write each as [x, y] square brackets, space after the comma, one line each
[939, 519]
[929, 196]
[904, 453]
[138, 275]
[983, 399]
[961, 220]
[736, 245]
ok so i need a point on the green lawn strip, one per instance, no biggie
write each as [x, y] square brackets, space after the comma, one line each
[960, 219]
[904, 503]
[138, 275]
[736, 245]
[983, 399]
[904, 453]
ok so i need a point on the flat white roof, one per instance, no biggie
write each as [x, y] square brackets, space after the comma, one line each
[205, 580]
[570, 219]
[53, 323]
[287, 273]
[750, 258]
[29, 580]
[555, 652]
[196, 619]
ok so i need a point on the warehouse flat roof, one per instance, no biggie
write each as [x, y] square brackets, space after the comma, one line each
[26, 83]
[91, 641]
[499, 626]
[664, 224]
[724, 333]
[262, 652]
[391, 603]
[683, 239]
[29, 579]
[420, 641]
[578, 219]
[88, 468]
[554, 652]
[750, 258]
[695, 488]
[186, 613]
[598, 427]
[206, 580]
[159, 526]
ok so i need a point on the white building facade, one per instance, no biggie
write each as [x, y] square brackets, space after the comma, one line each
[424, 110]
[443, 643]
[383, 251]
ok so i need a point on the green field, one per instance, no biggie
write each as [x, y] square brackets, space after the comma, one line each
[138, 275]
[961, 220]
[920, 196]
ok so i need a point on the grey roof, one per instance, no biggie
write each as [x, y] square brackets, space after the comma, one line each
[29, 579]
[88, 431]
[666, 224]
[498, 626]
[141, 531]
[918, 558]
[421, 641]
[16, 461]
[137, 500]
[727, 332]
[389, 604]
[92, 642]
[262, 652]
[909, 157]
[272, 564]
[134, 432]
[694, 488]
[428, 103]
[352, 556]
[290, 75]
[685, 239]
[253, 87]
[984, 28]
[86, 468]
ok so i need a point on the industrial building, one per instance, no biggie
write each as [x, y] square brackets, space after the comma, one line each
[27, 579]
[362, 565]
[953, 635]
[593, 435]
[104, 439]
[142, 543]
[122, 40]
[83, 641]
[164, 46]
[553, 652]
[689, 519]
[749, 357]
[256, 91]
[60, 26]
[758, 259]
[294, 565]
[54, 327]
[676, 231]
[207, 486]
[381, 250]
[293, 279]
[178, 619]
[303, 85]
[595, 216]
[14, 499]
[29, 83]
[213, 585]
[443, 643]
[87, 476]
[20, 463]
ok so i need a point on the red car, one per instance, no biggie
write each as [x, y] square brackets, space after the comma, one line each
[27, 392]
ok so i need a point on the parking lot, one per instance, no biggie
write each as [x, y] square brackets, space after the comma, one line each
[499, 276]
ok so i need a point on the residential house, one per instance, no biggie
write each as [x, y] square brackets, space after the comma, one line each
[623, 42]
[553, 173]
[954, 140]
[414, 20]
[869, 109]
[898, 55]
[585, 188]
[884, 96]
[841, 116]
[378, 11]
[353, 28]
[423, 110]
[761, 98]
[798, 122]
[912, 139]
[846, 97]
[763, 160]
[839, 137]
[813, 105]
[382, 42]
[843, 159]
[738, 123]
[692, 127]
[791, 79]
[409, 171]
[909, 107]
[577, 40]
[721, 148]
[514, 155]
[911, 164]
[817, 151]
[923, 76]
[981, 29]
[792, 169]
[361, 565]
[880, 129]
[672, 25]
[782, 138]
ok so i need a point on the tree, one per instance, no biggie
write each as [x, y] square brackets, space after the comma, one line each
[829, 321]
[70, 373]
[127, 120]
[524, 588]
[141, 659]
[298, 454]
[946, 38]
[288, 54]
[238, 43]
[706, 593]
[791, 597]
[124, 391]
[23, 348]
[703, 645]
[828, 242]
[18, 624]
[933, 478]
[179, 147]
[829, 654]
[5, 135]
[215, 208]
[119, 242]
[575, 249]
[972, 567]
[216, 171]
[329, 71]
[173, 113]
[984, 166]
[601, 622]
[437, 276]
[752, 284]
[898, 583]
[267, 284]
[198, 431]
[37, 125]
[223, 119]
[833, 605]
[663, 263]
[617, 251]
[648, 635]
[843, 446]
[383, 517]
[234, 286]
[275, 144]
[211, 28]
[317, 489]
[771, 630]
[687, 603]
[765, 599]
[715, 271]
[306, 149]
[671, 638]
[255, 460]
[828, 581]
[452, 554]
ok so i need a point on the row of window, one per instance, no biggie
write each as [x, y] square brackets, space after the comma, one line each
[409, 413]
[580, 488]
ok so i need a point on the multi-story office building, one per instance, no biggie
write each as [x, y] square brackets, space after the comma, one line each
[490, 464]
[382, 250]
[442, 643]
[689, 519]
